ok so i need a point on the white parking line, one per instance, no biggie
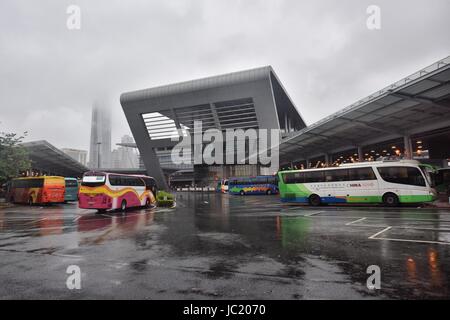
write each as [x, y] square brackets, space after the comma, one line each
[380, 232]
[35, 221]
[67, 256]
[415, 241]
[313, 213]
[404, 227]
[18, 218]
[355, 221]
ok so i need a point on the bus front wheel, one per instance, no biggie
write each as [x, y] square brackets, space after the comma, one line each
[269, 192]
[314, 200]
[242, 193]
[390, 199]
[123, 205]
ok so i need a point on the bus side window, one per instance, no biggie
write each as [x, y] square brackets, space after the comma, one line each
[402, 175]
[113, 180]
[361, 174]
[294, 177]
[314, 177]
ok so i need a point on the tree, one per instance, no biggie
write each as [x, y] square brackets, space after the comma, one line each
[13, 157]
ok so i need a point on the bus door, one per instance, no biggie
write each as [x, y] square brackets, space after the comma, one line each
[334, 188]
[363, 185]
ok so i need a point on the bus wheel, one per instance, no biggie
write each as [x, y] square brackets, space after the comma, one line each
[314, 200]
[269, 192]
[390, 199]
[242, 193]
[123, 205]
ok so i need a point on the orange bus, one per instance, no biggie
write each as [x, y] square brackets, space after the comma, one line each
[32, 190]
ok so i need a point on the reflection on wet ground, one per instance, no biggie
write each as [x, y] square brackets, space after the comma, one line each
[221, 246]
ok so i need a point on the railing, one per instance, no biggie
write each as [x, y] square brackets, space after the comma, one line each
[197, 189]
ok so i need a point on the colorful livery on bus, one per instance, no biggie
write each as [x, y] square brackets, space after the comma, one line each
[253, 185]
[37, 190]
[104, 191]
[388, 182]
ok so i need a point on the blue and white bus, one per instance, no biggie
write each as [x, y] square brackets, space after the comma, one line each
[253, 185]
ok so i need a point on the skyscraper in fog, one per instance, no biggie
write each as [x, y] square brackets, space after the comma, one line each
[100, 146]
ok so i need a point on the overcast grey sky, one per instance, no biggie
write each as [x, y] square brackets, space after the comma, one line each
[322, 51]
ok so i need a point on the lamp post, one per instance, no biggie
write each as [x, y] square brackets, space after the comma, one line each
[98, 155]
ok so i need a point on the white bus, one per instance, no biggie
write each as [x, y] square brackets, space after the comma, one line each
[389, 182]
[104, 191]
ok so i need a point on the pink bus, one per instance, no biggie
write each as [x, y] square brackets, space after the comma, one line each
[104, 191]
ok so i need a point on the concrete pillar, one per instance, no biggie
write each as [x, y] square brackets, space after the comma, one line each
[408, 147]
[327, 159]
[360, 154]
[286, 123]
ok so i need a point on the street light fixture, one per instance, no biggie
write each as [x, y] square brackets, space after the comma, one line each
[98, 154]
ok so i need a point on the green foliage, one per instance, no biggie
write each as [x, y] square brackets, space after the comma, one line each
[165, 199]
[13, 157]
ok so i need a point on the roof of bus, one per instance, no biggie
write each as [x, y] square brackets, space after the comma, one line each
[385, 163]
[252, 177]
[116, 174]
[38, 177]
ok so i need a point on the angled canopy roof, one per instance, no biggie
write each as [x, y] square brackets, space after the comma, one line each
[199, 84]
[417, 103]
[226, 116]
[45, 156]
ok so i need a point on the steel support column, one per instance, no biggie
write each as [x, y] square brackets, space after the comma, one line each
[360, 154]
[408, 147]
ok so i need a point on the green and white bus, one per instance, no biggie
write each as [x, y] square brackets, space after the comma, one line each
[389, 182]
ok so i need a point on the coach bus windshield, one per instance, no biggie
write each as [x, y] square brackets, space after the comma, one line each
[93, 180]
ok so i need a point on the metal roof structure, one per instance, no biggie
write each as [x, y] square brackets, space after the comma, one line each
[223, 80]
[47, 157]
[254, 98]
[415, 104]
[164, 122]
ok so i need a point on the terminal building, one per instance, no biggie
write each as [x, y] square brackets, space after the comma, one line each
[241, 100]
[408, 119]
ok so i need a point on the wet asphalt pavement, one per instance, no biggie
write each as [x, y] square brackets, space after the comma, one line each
[214, 246]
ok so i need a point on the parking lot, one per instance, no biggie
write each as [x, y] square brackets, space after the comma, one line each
[214, 246]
